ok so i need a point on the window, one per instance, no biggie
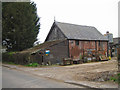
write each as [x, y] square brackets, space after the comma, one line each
[77, 42]
[71, 42]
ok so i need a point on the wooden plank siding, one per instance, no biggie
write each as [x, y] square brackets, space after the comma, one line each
[55, 34]
[57, 53]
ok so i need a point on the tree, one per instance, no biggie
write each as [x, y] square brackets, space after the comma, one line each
[20, 25]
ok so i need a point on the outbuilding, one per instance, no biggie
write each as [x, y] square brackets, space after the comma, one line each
[70, 41]
[76, 42]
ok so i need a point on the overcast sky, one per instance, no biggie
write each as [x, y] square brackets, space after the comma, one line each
[102, 14]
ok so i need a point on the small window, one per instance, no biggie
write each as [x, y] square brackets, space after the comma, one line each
[77, 42]
[71, 42]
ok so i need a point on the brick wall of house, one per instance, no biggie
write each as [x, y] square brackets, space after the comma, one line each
[76, 50]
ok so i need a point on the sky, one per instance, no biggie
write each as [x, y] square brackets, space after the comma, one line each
[102, 14]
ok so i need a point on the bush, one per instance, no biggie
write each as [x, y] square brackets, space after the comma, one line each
[21, 58]
[8, 57]
[16, 58]
[116, 78]
[11, 53]
[113, 79]
[32, 65]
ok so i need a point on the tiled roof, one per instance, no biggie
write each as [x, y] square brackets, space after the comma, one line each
[72, 31]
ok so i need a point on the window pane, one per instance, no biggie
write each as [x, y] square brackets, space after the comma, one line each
[77, 42]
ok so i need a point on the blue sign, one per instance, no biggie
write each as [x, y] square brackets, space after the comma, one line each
[47, 52]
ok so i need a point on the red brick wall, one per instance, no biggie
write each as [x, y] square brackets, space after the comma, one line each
[76, 50]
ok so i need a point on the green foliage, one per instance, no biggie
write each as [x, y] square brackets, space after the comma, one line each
[15, 57]
[9, 63]
[8, 57]
[118, 74]
[116, 78]
[20, 25]
[32, 65]
[11, 53]
[113, 79]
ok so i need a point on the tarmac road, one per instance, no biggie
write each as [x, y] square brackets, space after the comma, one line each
[12, 78]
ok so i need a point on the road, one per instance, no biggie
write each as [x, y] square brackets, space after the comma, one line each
[12, 78]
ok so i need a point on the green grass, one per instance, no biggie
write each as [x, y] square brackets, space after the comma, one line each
[116, 78]
[11, 53]
[32, 65]
[38, 65]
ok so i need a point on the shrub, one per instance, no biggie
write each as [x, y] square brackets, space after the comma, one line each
[116, 78]
[8, 57]
[113, 79]
[11, 53]
[33, 65]
[21, 58]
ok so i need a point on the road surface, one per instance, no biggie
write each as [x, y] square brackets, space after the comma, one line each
[12, 78]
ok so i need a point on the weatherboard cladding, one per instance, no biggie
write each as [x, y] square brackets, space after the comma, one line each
[72, 31]
[55, 34]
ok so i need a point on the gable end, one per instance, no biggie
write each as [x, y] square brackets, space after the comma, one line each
[55, 34]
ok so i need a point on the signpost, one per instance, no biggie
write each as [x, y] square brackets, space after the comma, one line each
[47, 52]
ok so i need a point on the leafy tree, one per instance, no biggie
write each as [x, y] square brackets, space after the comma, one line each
[20, 25]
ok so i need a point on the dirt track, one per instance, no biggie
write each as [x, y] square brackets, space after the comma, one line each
[95, 71]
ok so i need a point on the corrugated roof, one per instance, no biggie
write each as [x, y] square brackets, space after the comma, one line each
[72, 31]
[41, 46]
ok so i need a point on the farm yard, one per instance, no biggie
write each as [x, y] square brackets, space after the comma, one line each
[94, 71]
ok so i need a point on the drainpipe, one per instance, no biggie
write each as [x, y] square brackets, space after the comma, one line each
[68, 49]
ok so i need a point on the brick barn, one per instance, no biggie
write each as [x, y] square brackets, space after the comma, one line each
[75, 41]
[66, 40]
